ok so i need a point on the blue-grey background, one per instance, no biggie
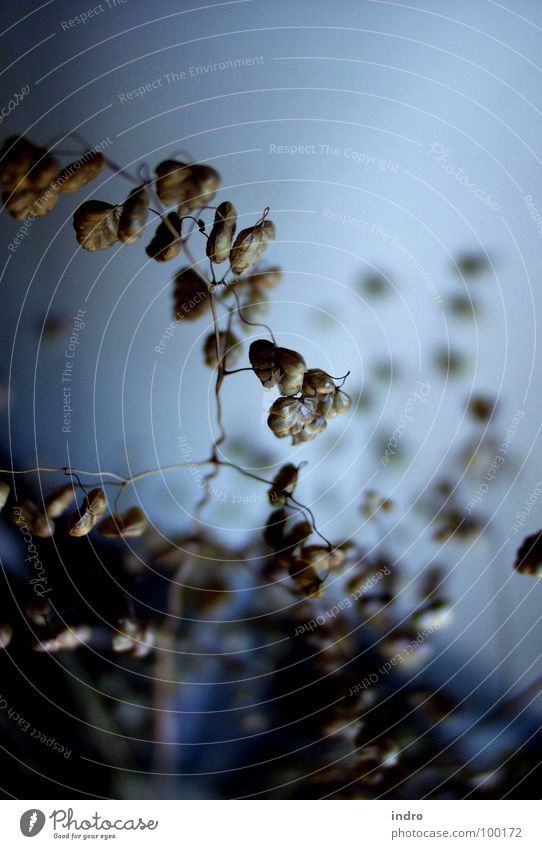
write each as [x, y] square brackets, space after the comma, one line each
[374, 89]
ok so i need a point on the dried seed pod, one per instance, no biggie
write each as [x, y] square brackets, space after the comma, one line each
[190, 295]
[284, 484]
[66, 640]
[134, 215]
[310, 570]
[59, 501]
[132, 523]
[268, 278]
[321, 558]
[275, 527]
[262, 359]
[317, 382]
[433, 615]
[38, 611]
[300, 533]
[481, 408]
[27, 514]
[96, 225]
[291, 369]
[341, 404]
[27, 202]
[529, 556]
[166, 242]
[288, 416]
[77, 174]
[255, 306]
[25, 165]
[170, 178]
[250, 245]
[229, 346]
[6, 633]
[199, 189]
[221, 237]
[4, 495]
[311, 429]
[91, 511]
[134, 637]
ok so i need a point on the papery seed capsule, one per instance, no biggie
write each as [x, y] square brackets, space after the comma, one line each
[166, 242]
[262, 359]
[27, 514]
[311, 429]
[4, 495]
[265, 279]
[6, 633]
[221, 237]
[255, 306]
[24, 165]
[133, 636]
[317, 382]
[230, 350]
[83, 520]
[300, 532]
[341, 404]
[96, 225]
[436, 614]
[190, 295]
[291, 368]
[250, 245]
[77, 174]
[59, 501]
[284, 484]
[134, 215]
[199, 190]
[38, 611]
[529, 556]
[288, 416]
[308, 581]
[274, 529]
[133, 523]
[170, 177]
[27, 202]
[66, 640]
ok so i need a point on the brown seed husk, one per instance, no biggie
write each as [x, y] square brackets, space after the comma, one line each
[229, 346]
[190, 296]
[529, 556]
[170, 177]
[96, 225]
[250, 245]
[83, 520]
[133, 523]
[134, 215]
[26, 513]
[221, 237]
[166, 242]
[59, 501]
[4, 495]
[284, 484]
[77, 174]
[28, 202]
[262, 359]
[26, 166]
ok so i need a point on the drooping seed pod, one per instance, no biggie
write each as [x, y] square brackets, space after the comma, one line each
[323, 559]
[309, 573]
[132, 523]
[433, 615]
[291, 369]
[250, 245]
[230, 349]
[38, 611]
[166, 242]
[67, 639]
[262, 359]
[91, 511]
[96, 225]
[26, 514]
[199, 189]
[133, 637]
[481, 408]
[170, 178]
[24, 165]
[134, 215]
[221, 237]
[59, 501]
[310, 429]
[27, 202]
[190, 295]
[4, 495]
[77, 174]
[317, 382]
[284, 484]
[6, 633]
[288, 416]
[254, 307]
[529, 556]
[275, 528]
[299, 534]
[341, 404]
[268, 278]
